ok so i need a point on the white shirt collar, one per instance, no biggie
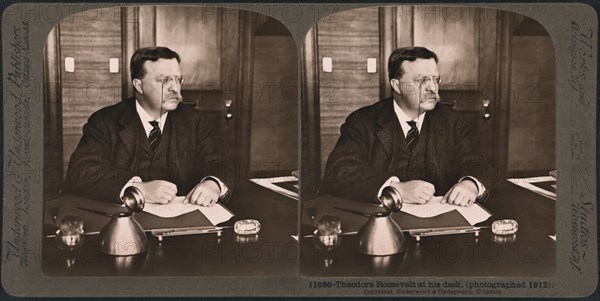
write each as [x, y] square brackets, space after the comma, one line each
[403, 118]
[145, 118]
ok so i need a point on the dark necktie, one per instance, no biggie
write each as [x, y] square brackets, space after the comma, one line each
[412, 137]
[154, 137]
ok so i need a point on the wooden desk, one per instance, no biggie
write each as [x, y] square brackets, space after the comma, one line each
[531, 253]
[274, 253]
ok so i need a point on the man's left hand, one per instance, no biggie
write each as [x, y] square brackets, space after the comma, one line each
[463, 193]
[204, 194]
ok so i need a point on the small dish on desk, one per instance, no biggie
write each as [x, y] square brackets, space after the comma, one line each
[505, 227]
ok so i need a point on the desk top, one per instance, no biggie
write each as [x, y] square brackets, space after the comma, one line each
[272, 253]
[275, 253]
[530, 253]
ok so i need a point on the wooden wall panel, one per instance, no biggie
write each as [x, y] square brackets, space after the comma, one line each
[53, 147]
[452, 32]
[532, 125]
[147, 26]
[274, 137]
[488, 54]
[92, 42]
[387, 32]
[349, 38]
[131, 40]
[195, 34]
[310, 154]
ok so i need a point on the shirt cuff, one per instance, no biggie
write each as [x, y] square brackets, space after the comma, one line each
[135, 179]
[386, 184]
[222, 185]
[480, 187]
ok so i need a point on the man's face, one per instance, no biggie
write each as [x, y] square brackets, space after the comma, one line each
[161, 85]
[418, 86]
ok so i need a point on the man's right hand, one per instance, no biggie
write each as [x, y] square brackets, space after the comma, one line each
[415, 192]
[157, 191]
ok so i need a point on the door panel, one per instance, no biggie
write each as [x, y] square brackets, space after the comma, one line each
[452, 32]
[195, 34]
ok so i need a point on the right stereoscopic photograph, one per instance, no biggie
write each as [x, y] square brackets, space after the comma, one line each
[428, 144]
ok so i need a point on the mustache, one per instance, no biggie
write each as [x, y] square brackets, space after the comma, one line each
[432, 95]
[172, 96]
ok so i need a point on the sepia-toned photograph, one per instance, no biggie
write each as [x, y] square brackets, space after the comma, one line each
[170, 144]
[428, 144]
[299, 150]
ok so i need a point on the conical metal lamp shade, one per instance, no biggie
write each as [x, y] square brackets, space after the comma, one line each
[381, 236]
[123, 236]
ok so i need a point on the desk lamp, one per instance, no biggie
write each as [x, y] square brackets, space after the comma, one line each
[123, 235]
[381, 235]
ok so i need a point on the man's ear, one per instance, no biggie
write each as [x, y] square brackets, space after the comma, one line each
[395, 83]
[137, 85]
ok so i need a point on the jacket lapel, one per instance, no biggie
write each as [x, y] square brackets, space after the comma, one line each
[179, 141]
[437, 136]
[129, 128]
[388, 133]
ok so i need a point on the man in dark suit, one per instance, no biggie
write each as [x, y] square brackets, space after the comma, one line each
[150, 141]
[408, 141]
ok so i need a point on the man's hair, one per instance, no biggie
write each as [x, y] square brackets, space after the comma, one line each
[142, 55]
[410, 54]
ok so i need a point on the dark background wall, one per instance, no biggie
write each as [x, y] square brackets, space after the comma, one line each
[274, 137]
[532, 125]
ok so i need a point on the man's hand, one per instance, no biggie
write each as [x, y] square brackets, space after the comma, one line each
[204, 194]
[157, 192]
[463, 193]
[415, 192]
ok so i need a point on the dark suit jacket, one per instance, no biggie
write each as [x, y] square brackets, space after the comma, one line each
[107, 156]
[364, 157]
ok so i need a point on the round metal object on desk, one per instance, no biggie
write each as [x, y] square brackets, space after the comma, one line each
[133, 199]
[391, 199]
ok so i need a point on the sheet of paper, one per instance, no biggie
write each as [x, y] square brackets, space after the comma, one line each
[269, 183]
[473, 214]
[430, 209]
[215, 214]
[526, 183]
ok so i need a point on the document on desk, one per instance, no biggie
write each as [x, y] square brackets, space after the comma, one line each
[287, 185]
[215, 214]
[473, 214]
[545, 185]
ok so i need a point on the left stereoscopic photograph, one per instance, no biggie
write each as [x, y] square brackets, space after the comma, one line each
[170, 144]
